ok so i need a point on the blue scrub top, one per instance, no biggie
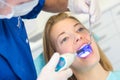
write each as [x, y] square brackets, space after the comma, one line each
[16, 61]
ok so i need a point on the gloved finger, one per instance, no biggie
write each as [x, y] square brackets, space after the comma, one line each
[94, 11]
[88, 2]
[65, 74]
[96, 16]
[92, 7]
[53, 61]
[78, 6]
[84, 7]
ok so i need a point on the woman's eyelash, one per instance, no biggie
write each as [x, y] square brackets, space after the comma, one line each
[80, 29]
[64, 39]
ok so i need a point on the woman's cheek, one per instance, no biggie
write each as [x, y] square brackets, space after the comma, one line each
[67, 49]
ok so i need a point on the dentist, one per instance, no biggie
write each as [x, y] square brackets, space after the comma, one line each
[16, 61]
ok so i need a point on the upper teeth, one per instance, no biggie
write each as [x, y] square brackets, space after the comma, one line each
[84, 51]
[85, 54]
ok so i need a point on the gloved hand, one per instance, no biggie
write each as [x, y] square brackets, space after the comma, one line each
[48, 72]
[85, 6]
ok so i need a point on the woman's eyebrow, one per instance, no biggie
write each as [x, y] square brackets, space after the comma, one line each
[64, 32]
[76, 24]
[60, 34]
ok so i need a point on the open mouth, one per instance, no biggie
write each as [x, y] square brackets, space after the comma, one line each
[84, 51]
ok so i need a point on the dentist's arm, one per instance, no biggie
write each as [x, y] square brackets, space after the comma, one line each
[48, 72]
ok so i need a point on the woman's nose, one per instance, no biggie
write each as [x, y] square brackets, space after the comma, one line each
[78, 37]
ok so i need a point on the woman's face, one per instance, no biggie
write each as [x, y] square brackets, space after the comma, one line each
[68, 36]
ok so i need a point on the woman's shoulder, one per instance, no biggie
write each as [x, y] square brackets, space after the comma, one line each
[114, 75]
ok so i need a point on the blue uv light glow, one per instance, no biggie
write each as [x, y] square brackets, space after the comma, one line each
[86, 48]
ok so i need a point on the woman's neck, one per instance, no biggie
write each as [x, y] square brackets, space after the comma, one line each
[96, 73]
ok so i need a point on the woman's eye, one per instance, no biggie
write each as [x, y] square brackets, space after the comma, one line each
[80, 29]
[64, 39]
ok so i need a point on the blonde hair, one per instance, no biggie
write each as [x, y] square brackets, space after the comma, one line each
[49, 48]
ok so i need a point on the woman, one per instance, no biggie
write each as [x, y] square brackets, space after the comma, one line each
[65, 34]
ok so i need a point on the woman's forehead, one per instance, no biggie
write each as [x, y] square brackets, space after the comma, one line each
[63, 26]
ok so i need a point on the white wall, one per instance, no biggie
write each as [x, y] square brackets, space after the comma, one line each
[107, 30]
